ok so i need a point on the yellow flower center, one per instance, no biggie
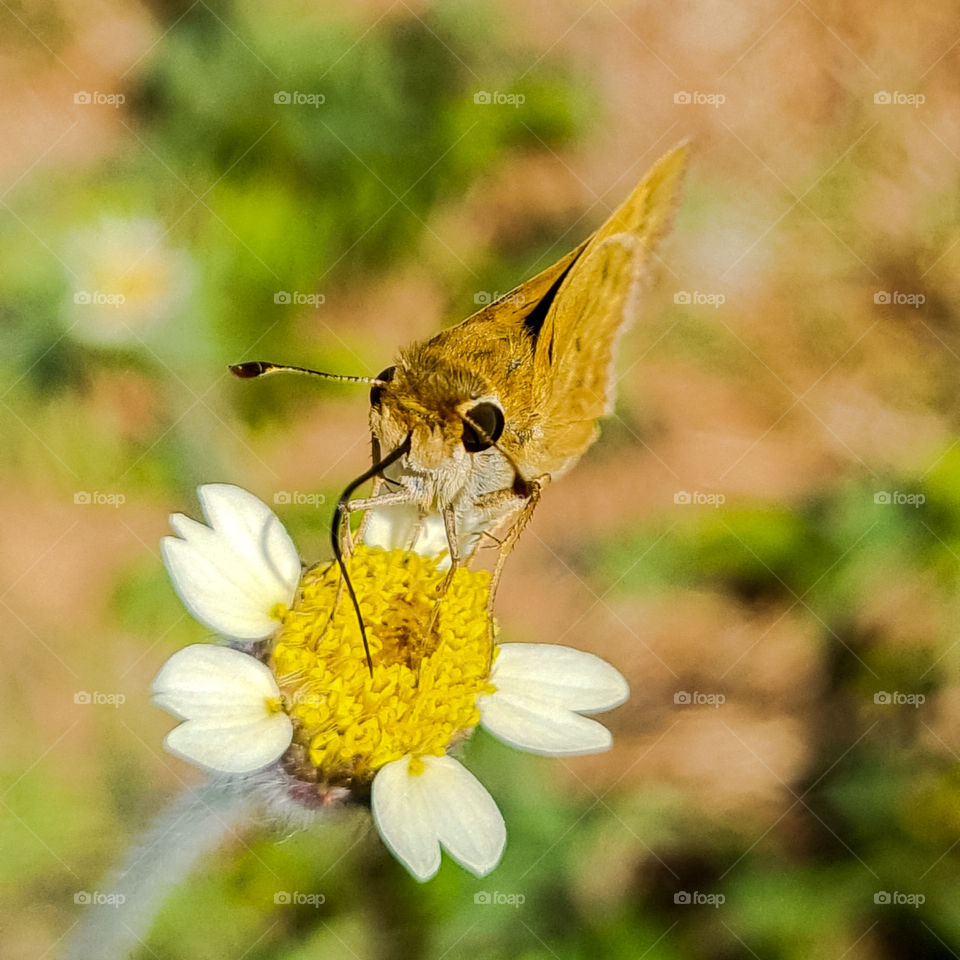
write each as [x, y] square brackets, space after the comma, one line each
[431, 653]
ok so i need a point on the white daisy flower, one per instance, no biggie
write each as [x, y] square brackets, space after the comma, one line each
[307, 707]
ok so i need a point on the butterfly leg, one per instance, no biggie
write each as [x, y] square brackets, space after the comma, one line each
[456, 560]
[453, 542]
[387, 500]
[374, 501]
[532, 491]
[369, 503]
[377, 484]
[526, 496]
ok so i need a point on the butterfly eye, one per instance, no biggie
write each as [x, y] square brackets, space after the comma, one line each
[377, 392]
[489, 418]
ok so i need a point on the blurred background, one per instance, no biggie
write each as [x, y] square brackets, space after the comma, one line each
[766, 539]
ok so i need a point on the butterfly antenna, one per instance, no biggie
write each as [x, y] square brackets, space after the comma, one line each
[338, 517]
[261, 368]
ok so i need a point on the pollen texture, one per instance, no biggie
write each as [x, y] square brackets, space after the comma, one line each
[431, 661]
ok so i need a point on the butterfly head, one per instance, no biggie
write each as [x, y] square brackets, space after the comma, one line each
[448, 412]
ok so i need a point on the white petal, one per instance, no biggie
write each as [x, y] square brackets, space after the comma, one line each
[231, 574]
[401, 528]
[237, 749]
[401, 812]
[390, 528]
[204, 680]
[221, 694]
[444, 804]
[541, 727]
[432, 539]
[252, 528]
[393, 528]
[576, 680]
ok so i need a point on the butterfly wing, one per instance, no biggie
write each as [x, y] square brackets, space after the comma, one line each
[594, 304]
[513, 308]
[530, 310]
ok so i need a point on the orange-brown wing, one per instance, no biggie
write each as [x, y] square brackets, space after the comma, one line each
[573, 363]
[580, 382]
[515, 306]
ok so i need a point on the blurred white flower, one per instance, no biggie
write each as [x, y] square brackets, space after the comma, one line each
[126, 282]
